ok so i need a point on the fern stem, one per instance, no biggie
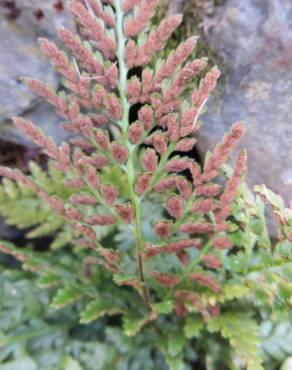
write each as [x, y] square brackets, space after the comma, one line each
[130, 173]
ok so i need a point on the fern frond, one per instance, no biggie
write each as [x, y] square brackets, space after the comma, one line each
[243, 334]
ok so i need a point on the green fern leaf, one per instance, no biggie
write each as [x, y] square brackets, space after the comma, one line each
[48, 227]
[193, 326]
[65, 296]
[132, 324]
[63, 238]
[276, 342]
[233, 291]
[275, 200]
[97, 309]
[163, 307]
[174, 363]
[176, 343]
[243, 334]
[48, 280]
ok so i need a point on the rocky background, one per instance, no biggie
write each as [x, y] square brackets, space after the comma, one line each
[251, 38]
[254, 38]
[251, 41]
[21, 23]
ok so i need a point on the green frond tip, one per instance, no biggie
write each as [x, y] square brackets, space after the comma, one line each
[48, 280]
[174, 363]
[243, 335]
[235, 291]
[176, 343]
[65, 296]
[165, 307]
[193, 326]
[97, 309]
[274, 200]
[132, 324]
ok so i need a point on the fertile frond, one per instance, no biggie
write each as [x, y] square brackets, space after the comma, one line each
[161, 233]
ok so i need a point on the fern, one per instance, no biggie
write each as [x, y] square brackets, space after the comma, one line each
[156, 242]
[243, 334]
[22, 208]
[276, 343]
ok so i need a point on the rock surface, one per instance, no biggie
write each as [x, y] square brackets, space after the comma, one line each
[20, 56]
[255, 39]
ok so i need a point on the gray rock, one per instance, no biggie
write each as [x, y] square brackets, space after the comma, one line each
[51, 20]
[20, 56]
[255, 40]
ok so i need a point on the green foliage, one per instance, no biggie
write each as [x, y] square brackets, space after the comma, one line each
[176, 342]
[276, 343]
[96, 309]
[34, 336]
[133, 324]
[22, 208]
[194, 324]
[284, 215]
[243, 334]
[163, 307]
[65, 296]
[258, 275]
[275, 200]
